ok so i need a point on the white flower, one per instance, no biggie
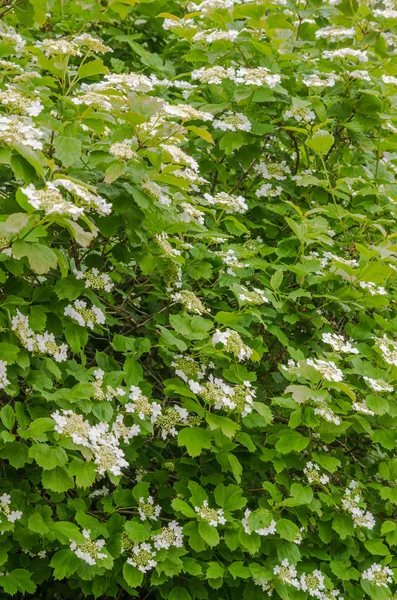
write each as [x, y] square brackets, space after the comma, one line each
[5, 510]
[313, 474]
[86, 317]
[338, 343]
[389, 79]
[89, 551]
[40, 343]
[142, 557]
[326, 368]
[378, 385]
[95, 280]
[313, 583]
[378, 575]
[20, 129]
[3, 375]
[374, 290]
[172, 535]
[360, 55]
[229, 202]
[287, 573]
[214, 516]
[231, 121]
[148, 509]
[335, 34]
[233, 343]
[363, 408]
[141, 406]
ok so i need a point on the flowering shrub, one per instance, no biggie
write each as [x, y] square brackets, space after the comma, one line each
[198, 344]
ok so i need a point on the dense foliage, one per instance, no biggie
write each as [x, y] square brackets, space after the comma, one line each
[198, 272]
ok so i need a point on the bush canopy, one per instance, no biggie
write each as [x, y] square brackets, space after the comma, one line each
[198, 270]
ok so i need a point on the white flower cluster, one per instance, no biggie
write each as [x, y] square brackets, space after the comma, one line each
[317, 79]
[169, 417]
[323, 410]
[123, 149]
[3, 375]
[172, 535]
[378, 385]
[52, 201]
[231, 121]
[378, 575]
[191, 214]
[313, 583]
[101, 394]
[224, 396]
[178, 156]
[314, 475]
[164, 244]
[190, 302]
[142, 557]
[153, 190]
[338, 343]
[189, 371]
[19, 103]
[287, 573]
[103, 443]
[326, 368]
[388, 349]
[229, 202]
[254, 296]
[147, 509]
[301, 114]
[16, 129]
[263, 531]
[350, 503]
[141, 406]
[5, 510]
[216, 35]
[373, 289]
[360, 55]
[278, 171]
[63, 47]
[232, 343]
[258, 76]
[89, 551]
[40, 343]
[86, 317]
[363, 408]
[335, 34]
[267, 190]
[214, 516]
[95, 280]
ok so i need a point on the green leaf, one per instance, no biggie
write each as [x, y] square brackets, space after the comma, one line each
[229, 497]
[137, 532]
[7, 417]
[321, 141]
[48, 457]
[184, 508]
[84, 472]
[226, 425]
[17, 580]
[64, 563]
[209, 533]
[41, 258]
[287, 530]
[179, 593]
[94, 67]
[291, 441]
[132, 576]
[301, 494]
[195, 439]
[57, 480]
[67, 149]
